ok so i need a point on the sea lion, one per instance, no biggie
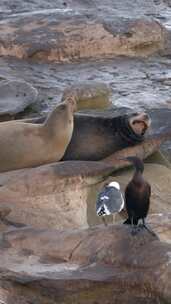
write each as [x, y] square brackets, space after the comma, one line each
[28, 145]
[97, 136]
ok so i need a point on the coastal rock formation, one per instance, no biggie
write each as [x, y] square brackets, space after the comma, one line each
[99, 265]
[66, 37]
[89, 95]
[15, 96]
[52, 195]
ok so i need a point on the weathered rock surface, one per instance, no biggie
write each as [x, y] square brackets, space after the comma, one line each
[67, 37]
[51, 196]
[99, 265]
[89, 95]
[123, 7]
[161, 223]
[15, 96]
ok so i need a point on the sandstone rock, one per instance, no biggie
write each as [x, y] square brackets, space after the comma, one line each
[15, 96]
[161, 223]
[67, 37]
[52, 195]
[99, 265]
[89, 95]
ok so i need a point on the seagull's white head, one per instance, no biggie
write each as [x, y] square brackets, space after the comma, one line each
[115, 185]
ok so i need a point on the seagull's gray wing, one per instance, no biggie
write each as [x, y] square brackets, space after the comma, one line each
[116, 201]
[101, 199]
[112, 198]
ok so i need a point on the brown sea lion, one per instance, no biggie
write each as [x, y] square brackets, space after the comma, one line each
[28, 145]
[97, 136]
[100, 134]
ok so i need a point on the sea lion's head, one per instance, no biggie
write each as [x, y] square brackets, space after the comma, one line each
[134, 126]
[72, 103]
[139, 123]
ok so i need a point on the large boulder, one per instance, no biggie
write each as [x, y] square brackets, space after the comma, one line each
[89, 95]
[66, 37]
[99, 265]
[52, 195]
[15, 96]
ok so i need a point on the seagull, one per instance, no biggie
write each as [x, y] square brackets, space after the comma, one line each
[109, 200]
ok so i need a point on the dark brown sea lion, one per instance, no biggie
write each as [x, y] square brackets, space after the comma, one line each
[28, 144]
[97, 136]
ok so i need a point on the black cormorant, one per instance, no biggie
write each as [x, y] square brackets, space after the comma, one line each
[137, 195]
[109, 200]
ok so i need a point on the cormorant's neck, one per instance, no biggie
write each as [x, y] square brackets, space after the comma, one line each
[138, 176]
[138, 165]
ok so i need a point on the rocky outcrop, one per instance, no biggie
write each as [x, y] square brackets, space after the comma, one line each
[89, 95]
[59, 37]
[99, 265]
[161, 223]
[15, 96]
[52, 195]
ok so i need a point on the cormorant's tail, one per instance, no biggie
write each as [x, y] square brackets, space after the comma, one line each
[127, 222]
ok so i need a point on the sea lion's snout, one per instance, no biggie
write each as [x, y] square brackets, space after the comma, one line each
[72, 103]
[140, 122]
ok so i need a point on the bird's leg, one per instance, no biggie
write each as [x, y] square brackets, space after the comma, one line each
[141, 225]
[104, 221]
[113, 219]
[133, 227]
[147, 228]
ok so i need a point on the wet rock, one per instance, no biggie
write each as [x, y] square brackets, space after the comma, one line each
[123, 7]
[134, 82]
[99, 265]
[15, 96]
[67, 37]
[89, 95]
